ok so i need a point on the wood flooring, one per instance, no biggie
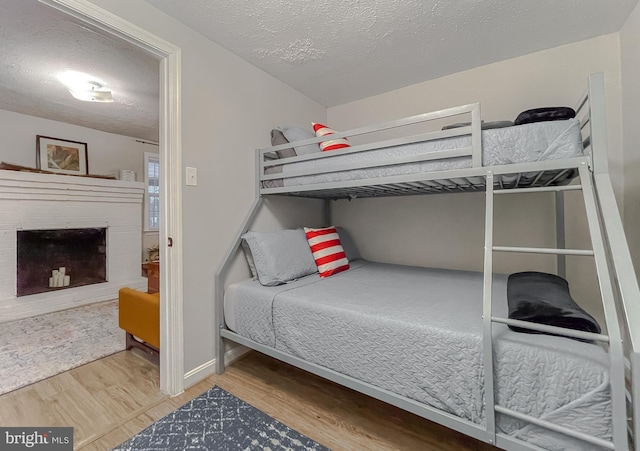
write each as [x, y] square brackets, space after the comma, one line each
[110, 400]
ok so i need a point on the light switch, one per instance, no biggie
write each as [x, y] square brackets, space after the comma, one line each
[192, 176]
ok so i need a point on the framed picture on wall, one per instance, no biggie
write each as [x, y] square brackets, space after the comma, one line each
[61, 156]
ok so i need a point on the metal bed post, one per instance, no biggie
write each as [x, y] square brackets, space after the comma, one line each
[598, 123]
[487, 339]
[226, 263]
[476, 136]
[635, 398]
[328, 217]
[561, 260]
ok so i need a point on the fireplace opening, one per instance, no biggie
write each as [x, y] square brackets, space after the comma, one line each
[56, 259]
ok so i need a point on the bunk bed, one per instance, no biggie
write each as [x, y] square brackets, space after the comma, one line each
[567, 389]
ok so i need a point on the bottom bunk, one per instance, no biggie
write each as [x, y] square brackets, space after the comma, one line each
[413, 336]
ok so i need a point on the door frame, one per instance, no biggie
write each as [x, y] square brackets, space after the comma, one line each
[171, 271]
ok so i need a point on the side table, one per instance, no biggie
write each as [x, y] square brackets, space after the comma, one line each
[152, 270]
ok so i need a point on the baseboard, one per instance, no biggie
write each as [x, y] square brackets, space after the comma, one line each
[207, 369]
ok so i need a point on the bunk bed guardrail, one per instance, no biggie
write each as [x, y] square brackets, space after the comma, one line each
[616, 276]
[474, 129]
[268, 159]
[471, 178]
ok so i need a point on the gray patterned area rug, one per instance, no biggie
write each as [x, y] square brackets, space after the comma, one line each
[39, 347]
[218, 421]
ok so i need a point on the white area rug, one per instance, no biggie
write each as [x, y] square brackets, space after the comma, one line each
[33, 349]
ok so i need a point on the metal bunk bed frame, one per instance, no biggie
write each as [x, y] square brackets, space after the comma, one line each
[616, 277]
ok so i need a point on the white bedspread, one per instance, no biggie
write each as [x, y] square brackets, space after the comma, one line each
[418, 332]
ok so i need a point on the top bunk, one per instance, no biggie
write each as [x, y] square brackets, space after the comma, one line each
[543, 149]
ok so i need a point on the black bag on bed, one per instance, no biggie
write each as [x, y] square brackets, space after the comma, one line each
[545, 299]
[558, 113]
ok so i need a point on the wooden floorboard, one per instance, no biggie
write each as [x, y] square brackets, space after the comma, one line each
[110, 400]
[92, 398]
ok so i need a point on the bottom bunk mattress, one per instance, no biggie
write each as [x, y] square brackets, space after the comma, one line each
[417, 332]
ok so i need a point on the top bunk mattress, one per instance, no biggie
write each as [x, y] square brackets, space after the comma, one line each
[417, 332]
[538, 141]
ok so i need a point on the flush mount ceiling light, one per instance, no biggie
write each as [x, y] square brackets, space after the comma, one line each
[92, 92]
[85, 87]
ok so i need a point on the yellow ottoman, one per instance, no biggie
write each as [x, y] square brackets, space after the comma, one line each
[139, 316]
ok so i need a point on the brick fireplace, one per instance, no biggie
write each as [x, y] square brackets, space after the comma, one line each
[89, 227]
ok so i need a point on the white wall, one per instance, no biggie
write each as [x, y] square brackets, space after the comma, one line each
[228, 109]
[447, 231]
[108, 152]
[630, 75]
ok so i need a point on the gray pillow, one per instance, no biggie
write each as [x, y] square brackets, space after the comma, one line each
[280, 257]
[496, 124]
[483, 125]
[249, 257]
[297, 134]
[275, 183]
[350, 249]
[278, 138]
[456, 125]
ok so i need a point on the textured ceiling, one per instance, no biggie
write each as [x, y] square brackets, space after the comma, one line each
[38, 42]
[334, 51]
[337, 51]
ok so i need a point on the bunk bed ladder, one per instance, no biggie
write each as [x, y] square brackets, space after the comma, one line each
[614, 340]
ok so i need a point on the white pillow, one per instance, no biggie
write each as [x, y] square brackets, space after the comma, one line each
[280, 257]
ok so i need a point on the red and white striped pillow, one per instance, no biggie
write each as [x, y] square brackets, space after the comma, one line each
[333, 144]
[327, 250]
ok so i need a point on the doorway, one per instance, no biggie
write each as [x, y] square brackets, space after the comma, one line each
[170, 236]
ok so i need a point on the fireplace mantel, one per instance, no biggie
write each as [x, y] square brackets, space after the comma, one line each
[31, 201]
[32, 186]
